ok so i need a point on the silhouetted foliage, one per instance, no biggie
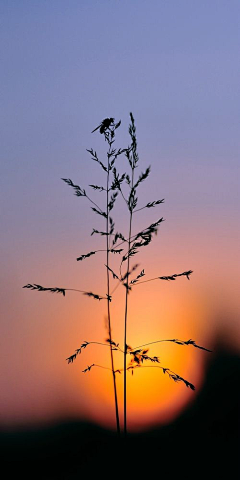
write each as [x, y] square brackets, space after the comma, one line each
[96, 187]
[173, 277]
[122, 186]
[85, 256]
[39, 288]
[177, 378]
[141, 274]
[80, 192]
[45, 289]
[189, 342]
[88, 368]
[93, 295]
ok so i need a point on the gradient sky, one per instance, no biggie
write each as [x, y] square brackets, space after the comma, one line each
[66, 65]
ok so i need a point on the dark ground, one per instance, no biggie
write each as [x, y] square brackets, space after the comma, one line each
[204, 441]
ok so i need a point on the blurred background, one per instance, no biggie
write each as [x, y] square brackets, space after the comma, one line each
[65, 67]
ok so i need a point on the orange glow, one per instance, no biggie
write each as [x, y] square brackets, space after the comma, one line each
[39, 385]
[152, 396]
[51, 327]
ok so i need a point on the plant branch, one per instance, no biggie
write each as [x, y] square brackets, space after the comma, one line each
[150, 205]
[39, 288]
[170, 277]
[109, 206]
[174, 376]
[78, 351]
[133, 158]
[80, 192]
[174, 340]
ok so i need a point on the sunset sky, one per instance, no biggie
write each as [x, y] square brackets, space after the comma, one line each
[66, 65]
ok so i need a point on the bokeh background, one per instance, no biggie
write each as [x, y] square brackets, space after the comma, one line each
[65, 67]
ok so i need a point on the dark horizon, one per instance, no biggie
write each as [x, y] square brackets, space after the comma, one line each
[206, 437]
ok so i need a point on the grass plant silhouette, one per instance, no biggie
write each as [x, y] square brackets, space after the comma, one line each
[116, 243]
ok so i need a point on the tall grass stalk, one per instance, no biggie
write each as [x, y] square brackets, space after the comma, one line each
[108, 297]
[132, 157]
[137, 355]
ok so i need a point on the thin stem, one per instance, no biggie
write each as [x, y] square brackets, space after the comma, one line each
[168, 277]
[125, 200]
[116, 347]
[108, 304]
[173, 340]
[139, 209]
[136, 368]
[93, 203]
[153, 366]
[146, 344]
[82, 291]
[170, 373]
[126, 312]
[101, 366]
[145, 281]
[107, 345]
[115, 288]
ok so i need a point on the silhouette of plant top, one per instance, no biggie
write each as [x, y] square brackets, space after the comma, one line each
[104, 125]
[121, 186]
